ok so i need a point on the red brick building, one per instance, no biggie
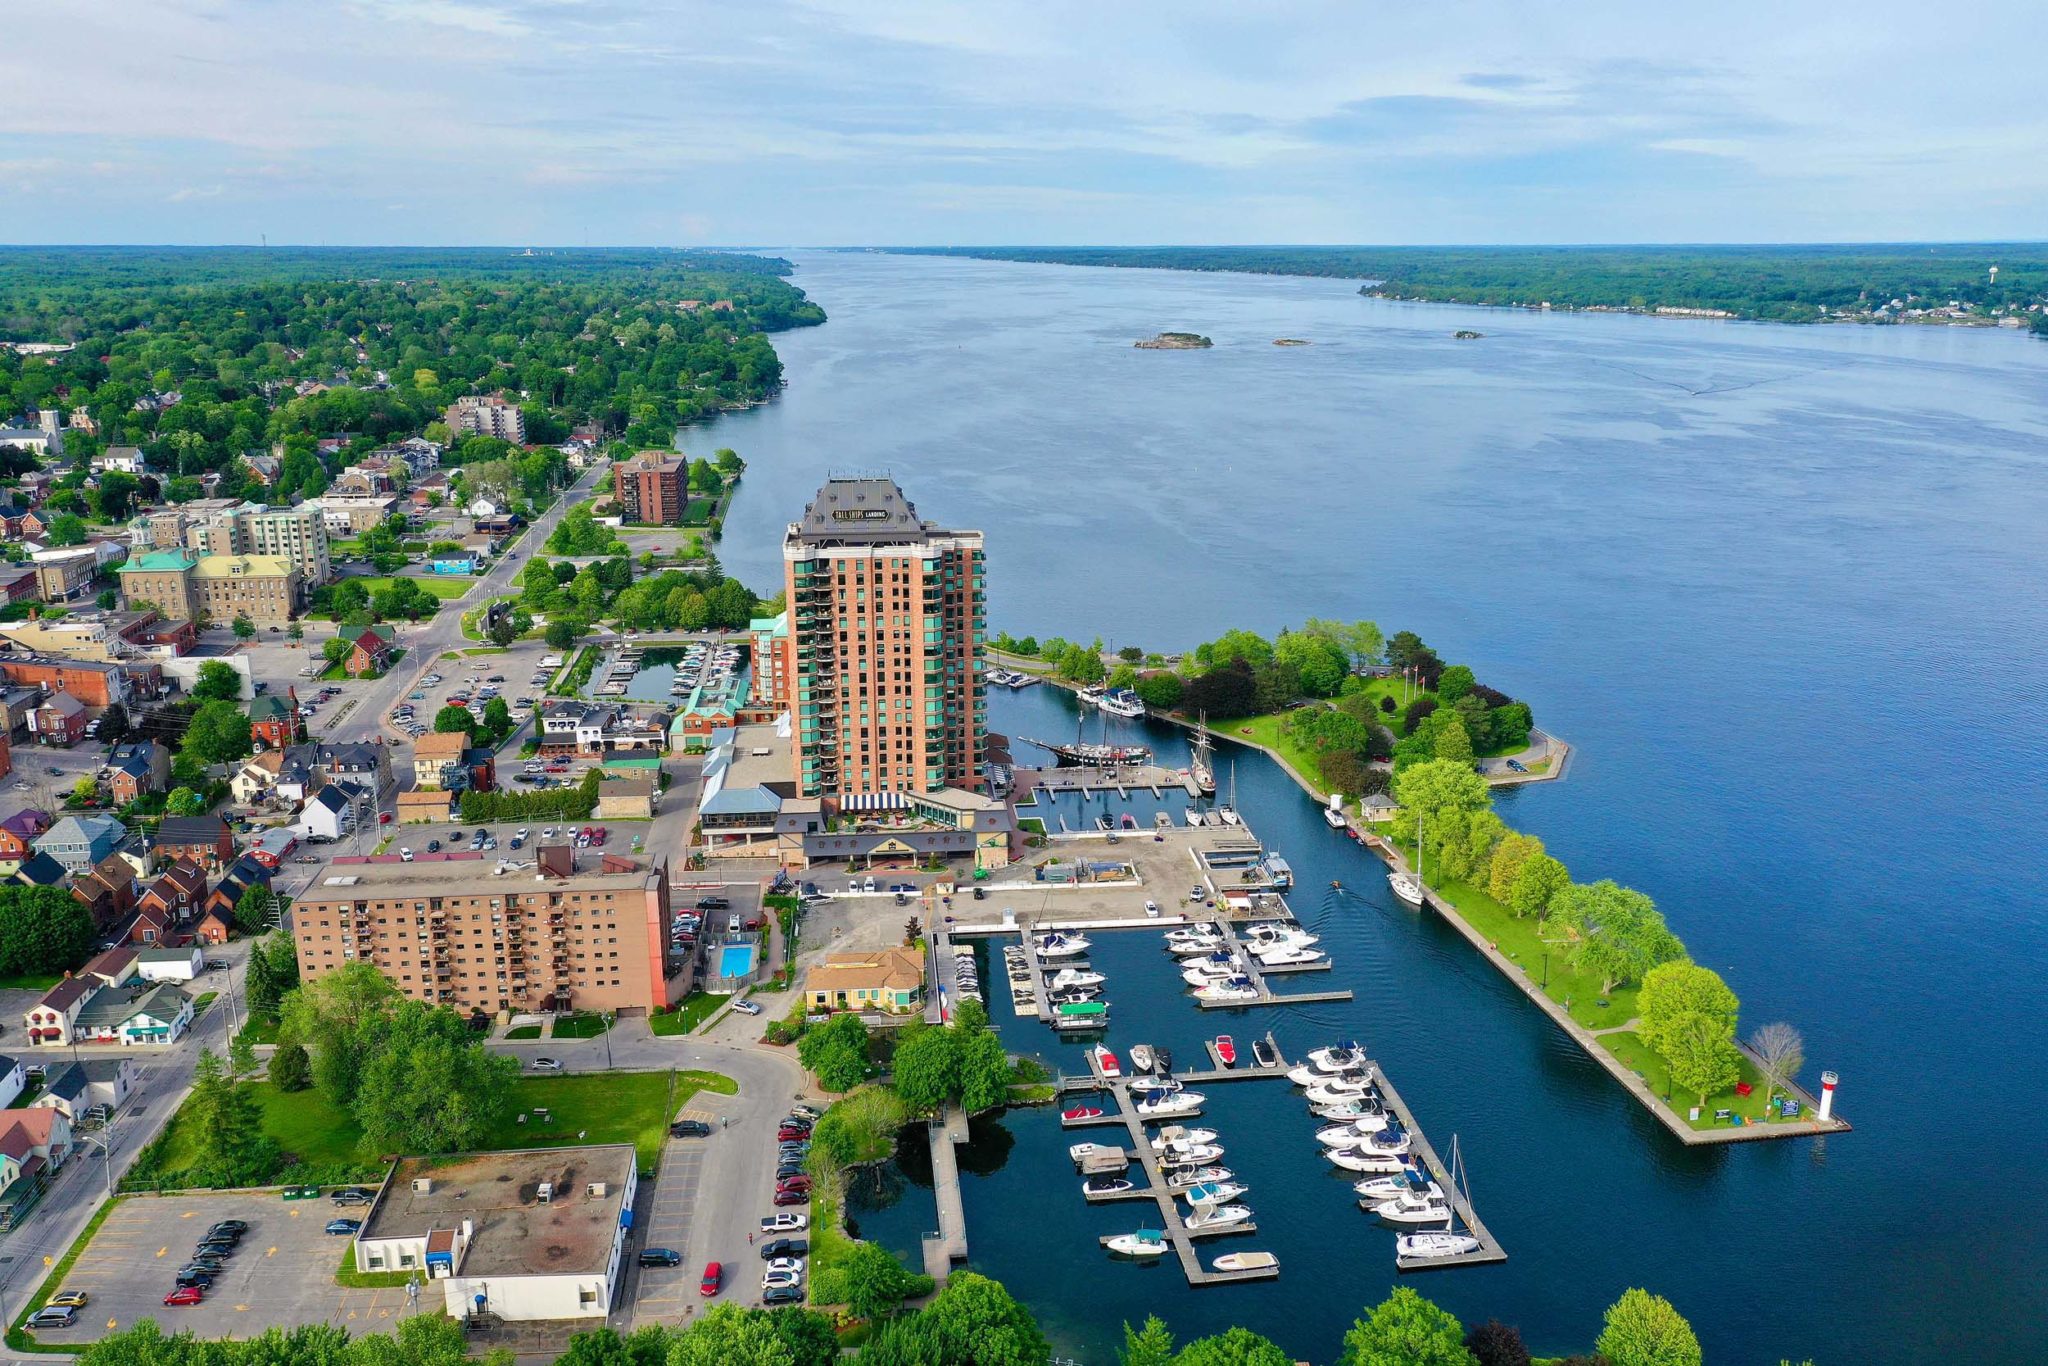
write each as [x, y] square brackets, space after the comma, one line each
[274, 720]
[205, 840]
[652, 488]
[372, 653]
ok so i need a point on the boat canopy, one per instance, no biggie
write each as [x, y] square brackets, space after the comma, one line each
[1082, 1009]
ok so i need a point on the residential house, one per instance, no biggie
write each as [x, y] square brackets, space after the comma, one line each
[888, 980]
[80, 842]
[164, 963]
[51, 1020]
[204, 839]
[33, 1145]
[13, 1080]
[327, 815]
[274, 719]
[152, 1015]
[272, 847]
[114, 967]
[107, 889]
[18, 835]
[257, 777]
[60, 721]
[177, 893]
[372, 651]
[214, 927]
[263, 469]
[124, 459]
[436, 757]
[76, 1087]
[135, 770]
[41, 871]
[240, 876]
[151, 925]
[365, 763]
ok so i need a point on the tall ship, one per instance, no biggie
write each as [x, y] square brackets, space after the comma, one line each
[1083, 755]
[1202, 766]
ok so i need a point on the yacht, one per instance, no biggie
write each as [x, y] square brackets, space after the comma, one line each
[1235, 989]
[1413, 1207]
[1202, 974]
[1343, 1110]
[1141, 1057]
[1246, 1261]
[1406, 888]
[1194, 939]
[1211, 1193]
[1440, 1243]
[1334, 1090]
[1107, 1185]
[1351, 1133]
[1181, 1178]
[1105, 1061]
[1093, 694]
[1068, 978]
[1122, 702]
[1307, 1074]
[1146, 1242]
[1338, 1056]
[1391, 1141]
[1072, 996]
[1272, 933]
[1364, 1162]
[1166, 1138]
[1333, 814]
[1193, 1153]
[1377, 1188]
[1158, 1104]
[1218, 1216]
[1062, 945]
[1287, 955]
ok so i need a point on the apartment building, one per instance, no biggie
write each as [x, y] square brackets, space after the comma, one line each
[263, 588]
[887, 620]
[770, 648]
[351, 514]
[653, 488]
[588, 931]
[487, 415]
[297, 535]
[161, 579]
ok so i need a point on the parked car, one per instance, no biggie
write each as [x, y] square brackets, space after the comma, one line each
[714, 1275]
[660, 1256]
[185, 1294]
[785, 1247]
[192, 1278]
[785, 1223]
[782, 1294]
[713, 903]
[53, 1317]
[351, 1195]
[69, 1299]
[792, 1197]
[546, 1064]
[344, 1226]
[746, 1007]
[233, 1228]
[690, 1128]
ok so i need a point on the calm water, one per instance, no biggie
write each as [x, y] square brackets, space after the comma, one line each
[1783, 587]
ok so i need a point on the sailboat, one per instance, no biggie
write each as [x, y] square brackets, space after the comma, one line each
[1201, 767]
[1437, 1244]
[1409, 887]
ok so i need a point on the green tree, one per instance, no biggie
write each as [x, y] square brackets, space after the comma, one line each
[229, 1147]
[1616, 931]
[1160, 689]
[875, 1281]
[183, 801]
[1673, 990]
[428, 1085]
[217, 682]
[273, 972]
[290, 1068]
[1514, 850]
[43, 931]
[985, 1072]
[219, 734]
[1537, 884]
[243, 628]
[337, 649]
[1122, 676]
[334, 1017]
[256, 909]
[976, 1320]
[86, 789]
[836, 1052]
[497, 718]
[1151, 1345]
[1406, 1330]
[1454, 683]
[1700, 1053]
[69, 529]
[1451, 743]
[1645, 1330]
[1494, 1343]
[449, 720]
[561, 633]
[1321, 662]
[926, 1067]
[1233, 1347]
[1440, 793]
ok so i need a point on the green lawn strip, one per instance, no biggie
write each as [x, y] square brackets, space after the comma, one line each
[347, 1275]
[17, 1336]
[1639, 1058]
[607, 1107]
[206, 998]
[1271, 731]
[260, 1031]
[29, 981]
[581, 1025]
[1032, 825]
[446, 587]
[715, 1082]
[684, 1019]
[523, 1032]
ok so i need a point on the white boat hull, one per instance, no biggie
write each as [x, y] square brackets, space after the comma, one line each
[1200, 1176]
[1193, 1153]
[1246, 1261]
[1364, 1163]
[1220, 1193]
[1131, 1246]
[1406, 889]
[1438, 1244]
[1353, 1133]
[1222, 1216]
[1185, 1103]
[1177, 1135]
[1413, 1212]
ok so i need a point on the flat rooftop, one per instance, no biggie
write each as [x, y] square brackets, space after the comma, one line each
[515, 1234]
[445, 873]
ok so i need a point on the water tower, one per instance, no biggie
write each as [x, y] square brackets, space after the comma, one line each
[1994, 277]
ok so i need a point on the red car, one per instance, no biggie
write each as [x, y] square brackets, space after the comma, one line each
[713, 1274]
[793, 1185]
[185, 1294]
[791, 1134]
[792, 1197]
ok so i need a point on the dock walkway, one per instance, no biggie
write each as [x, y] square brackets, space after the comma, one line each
[1420, 1148]
[1253, 970]
[948, 1246]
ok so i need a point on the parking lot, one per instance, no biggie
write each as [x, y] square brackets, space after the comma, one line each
[471, 681]
[283, 1272]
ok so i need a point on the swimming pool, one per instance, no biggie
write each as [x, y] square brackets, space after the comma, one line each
[736, 960]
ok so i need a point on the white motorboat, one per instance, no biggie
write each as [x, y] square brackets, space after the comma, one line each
[1164, 1140]
[1338, 1089]
[1333, 814]
[1181, 944]
[1212, 1193]
[1378, 1188]
[1146, 1242]
[1270, 933]
[1063, 945]
[1181, 1178]
[1108, 1185]
[1122, 702]
[1141, 1057]
[1413, 1207]
[1352, 1133]
[1246, 1261]
[1235, 989]
[1066, 979]
[1201, 973]
[1306, 1074]
[1439, 1243]
[1160, 1104]
[1365, 1163]
[1218, 1216]
[1338, 1056]
[1348, 1110]
[1391, 1141]
[1105, 1061]
[1191, 1154]
[1287, 955]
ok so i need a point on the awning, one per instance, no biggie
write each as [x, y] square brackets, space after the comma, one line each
[874, 801]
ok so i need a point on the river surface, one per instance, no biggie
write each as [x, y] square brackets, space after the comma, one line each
[1784, 588]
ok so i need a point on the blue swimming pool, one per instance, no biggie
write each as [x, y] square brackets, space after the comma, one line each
[736, 960]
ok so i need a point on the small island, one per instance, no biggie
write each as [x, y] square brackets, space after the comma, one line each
[1175, 341]
[1290, 341]
[1467, 334]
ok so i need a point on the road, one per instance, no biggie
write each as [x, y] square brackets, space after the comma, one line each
[81, 1184]
[726, 1190]
[425, 642]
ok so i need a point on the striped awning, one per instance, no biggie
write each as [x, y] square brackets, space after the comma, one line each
[873, 801]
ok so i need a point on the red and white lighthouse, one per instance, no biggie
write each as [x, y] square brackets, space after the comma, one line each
[1827, 1093]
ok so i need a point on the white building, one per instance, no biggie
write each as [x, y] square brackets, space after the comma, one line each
[13, 1077]
[161, 963]
[326, 815]
[509, 1235]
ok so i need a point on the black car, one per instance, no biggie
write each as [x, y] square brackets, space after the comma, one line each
[660, 1256]
[433, 846]
[782, 1294]
[690, 1128]
[194, 1276]
[351, 1195]
[228, 1228]
[785, 1247]
[789, 1169]
[224, 1246]
[213, 1264]
[713, 903]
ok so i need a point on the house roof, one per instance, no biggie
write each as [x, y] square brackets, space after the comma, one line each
[270, 707]
[87, 830]
[41, 871]
[331, 798]
[161, 561]
[135, 766]
[891, 969]
[183, 876]
[116, 963]
[368, 637]
[37, 1123]
[440, 745]
[61, 996]
[163, 953]
[26, 823]
[64, 704]
[191, 830]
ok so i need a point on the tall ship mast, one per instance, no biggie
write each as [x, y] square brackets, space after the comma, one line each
[1202, 764]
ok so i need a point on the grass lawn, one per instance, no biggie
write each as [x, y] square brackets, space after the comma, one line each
[608, 1107]
[446, 587]
[582, 1025]
[684, 1019]
[260, 1031]
[206, 998]
[523, 1032]
[29, 981]
[1647, 1065]
[302, 1122]
[1271, 731]
[1034, 825]
[347, 1275]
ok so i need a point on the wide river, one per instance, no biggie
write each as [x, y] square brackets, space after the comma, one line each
[1785, 588]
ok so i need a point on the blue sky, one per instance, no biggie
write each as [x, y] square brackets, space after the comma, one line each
[820, 122]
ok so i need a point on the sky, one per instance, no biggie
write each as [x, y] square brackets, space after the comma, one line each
[897, 122]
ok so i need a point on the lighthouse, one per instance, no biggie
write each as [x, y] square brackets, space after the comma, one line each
[1827, 1094]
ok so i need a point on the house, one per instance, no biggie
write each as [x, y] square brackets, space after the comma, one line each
[274, 846]
[630, 797]
[78, 1086]
[424, 806]
[299, 774]
[327, 815]
[107, 890]
[367, 764]
[125, 459]
[18, 835]
[60, 720]
[151, 925]
[176, 895]
[371, 653]
[205, 839]
[151, 753]
[137, 770]
[167, 964]
[114, 967]
[889, 980]
[41, 870]
[274, 720]
[33, 1145]
[156, 1014]
[257, 777]
[13, 1079]
[240, 876]
[80, 842]
[51, 1020]
[436, 757]
[214, 927]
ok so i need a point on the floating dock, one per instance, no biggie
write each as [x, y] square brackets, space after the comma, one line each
[1257, 974]
[946, 1248]
[1419, 1148]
